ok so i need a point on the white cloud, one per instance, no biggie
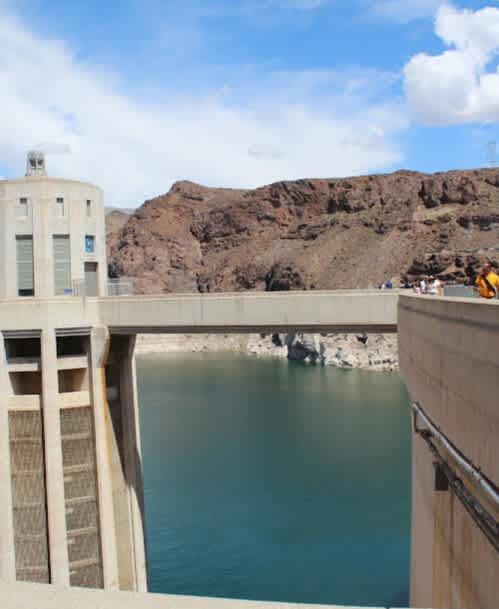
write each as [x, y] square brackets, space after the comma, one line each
[134, 149]
[462, 84]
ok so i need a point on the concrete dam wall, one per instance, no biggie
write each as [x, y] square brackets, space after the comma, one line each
[449, 358]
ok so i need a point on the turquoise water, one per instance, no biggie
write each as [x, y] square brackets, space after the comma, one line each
[272, 480]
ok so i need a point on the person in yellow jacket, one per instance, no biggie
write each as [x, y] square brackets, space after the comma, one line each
[487, 282]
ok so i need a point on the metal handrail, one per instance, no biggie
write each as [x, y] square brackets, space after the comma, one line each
[120, 286]
[464, 463]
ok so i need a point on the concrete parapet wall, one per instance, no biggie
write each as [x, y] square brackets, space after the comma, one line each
[28, 596]
[58, 312]
[254, 311]
[449, 358]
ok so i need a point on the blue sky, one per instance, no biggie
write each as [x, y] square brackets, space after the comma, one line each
[136, 94]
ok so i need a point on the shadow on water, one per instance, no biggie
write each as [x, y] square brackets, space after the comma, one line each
[271, 480]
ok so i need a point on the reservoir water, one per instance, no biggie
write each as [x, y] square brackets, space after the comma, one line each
[272, 480]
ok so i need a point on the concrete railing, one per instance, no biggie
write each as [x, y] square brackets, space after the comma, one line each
[37, 596]
[449, 359]
[340, 310]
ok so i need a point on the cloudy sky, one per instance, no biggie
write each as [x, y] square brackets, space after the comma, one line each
[135, 94]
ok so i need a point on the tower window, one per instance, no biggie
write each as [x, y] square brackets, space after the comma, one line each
[60, 207]
[62, 264]
[89, 244]
[89, 208]
[25, 279]
[22, 208]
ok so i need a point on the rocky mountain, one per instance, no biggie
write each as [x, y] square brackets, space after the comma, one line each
[306, 234]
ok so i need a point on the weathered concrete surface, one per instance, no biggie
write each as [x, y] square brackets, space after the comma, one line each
[28, 596]
[449, 358]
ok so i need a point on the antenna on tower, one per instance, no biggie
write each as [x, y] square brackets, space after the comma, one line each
[492, 153]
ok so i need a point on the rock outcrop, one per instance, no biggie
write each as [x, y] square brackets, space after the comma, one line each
[306, 234]
[368, 352]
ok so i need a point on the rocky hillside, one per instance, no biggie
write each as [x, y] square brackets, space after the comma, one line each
[306, 234]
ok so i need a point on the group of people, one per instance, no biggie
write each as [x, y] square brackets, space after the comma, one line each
[429, 285]
[486, 283]
[426, 285]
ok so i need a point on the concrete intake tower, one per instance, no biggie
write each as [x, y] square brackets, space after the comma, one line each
[70, 464]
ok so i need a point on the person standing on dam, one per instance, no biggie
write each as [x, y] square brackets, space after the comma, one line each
[487, 282]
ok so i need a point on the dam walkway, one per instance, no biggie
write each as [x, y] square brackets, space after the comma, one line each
[312, 311]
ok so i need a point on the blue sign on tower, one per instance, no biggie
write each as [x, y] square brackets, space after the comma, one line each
[89, 244]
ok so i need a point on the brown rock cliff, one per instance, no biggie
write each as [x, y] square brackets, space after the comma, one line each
[306, 234]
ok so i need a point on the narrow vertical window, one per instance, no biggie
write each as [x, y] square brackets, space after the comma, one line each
[91, 284]
[62, 264]
[22, 208]
[89, 244]
[89, 208]
[25, 279]
[60, 207]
